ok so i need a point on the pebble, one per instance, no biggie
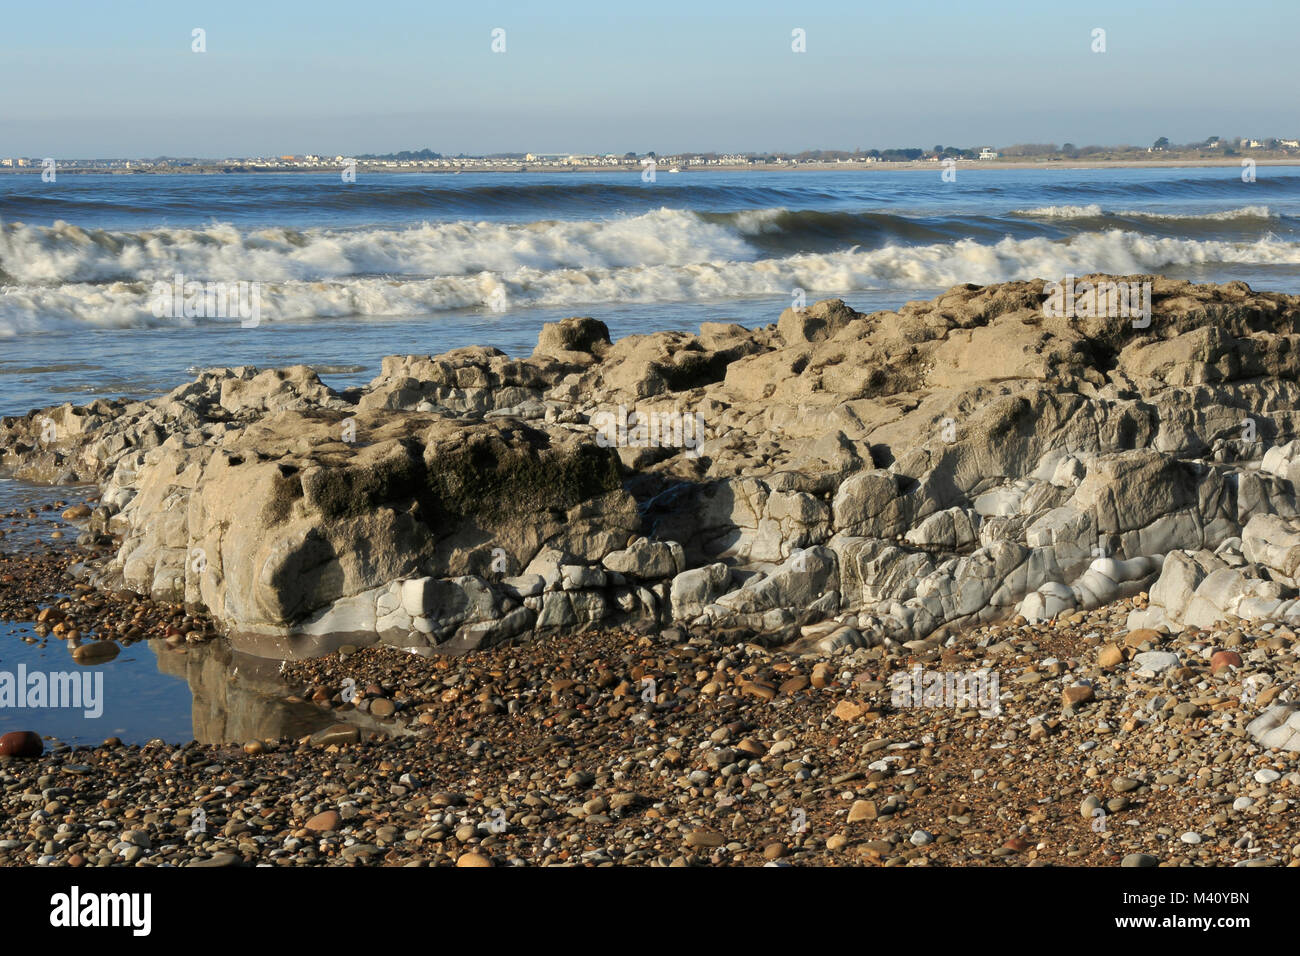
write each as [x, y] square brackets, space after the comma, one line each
[21, 743]
[704, 838]
[1089, 806]
[862, 810]
[1078, 694]
[325, 822]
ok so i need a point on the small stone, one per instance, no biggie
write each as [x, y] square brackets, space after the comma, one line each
[793, 685]
[95, 652]
[862, 810]
[1110, 657]
[473, 859]
[324, 822]
[1267, 775]
[1143, 635]
[1088, 808]
[1076, 695]
[921, 837]
[1224, 659]
[848, 711]
[1139, 859]
[706, 838]
[1156, 662]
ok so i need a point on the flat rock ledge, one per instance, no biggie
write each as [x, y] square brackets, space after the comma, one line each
[836, 480]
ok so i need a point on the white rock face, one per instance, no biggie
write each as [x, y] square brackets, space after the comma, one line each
[1278, 726]
[697, 588]
[1199, 589]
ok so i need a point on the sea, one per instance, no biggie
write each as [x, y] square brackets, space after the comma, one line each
[348, 272]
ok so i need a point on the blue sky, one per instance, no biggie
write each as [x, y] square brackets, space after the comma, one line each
[90, 79]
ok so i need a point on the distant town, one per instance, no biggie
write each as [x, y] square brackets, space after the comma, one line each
[1212, 149]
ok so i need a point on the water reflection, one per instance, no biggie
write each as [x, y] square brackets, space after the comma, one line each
[239, 697]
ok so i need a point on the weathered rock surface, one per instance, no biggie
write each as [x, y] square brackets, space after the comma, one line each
[896, 474]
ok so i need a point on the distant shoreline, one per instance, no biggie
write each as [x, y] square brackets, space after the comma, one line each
[964, 164]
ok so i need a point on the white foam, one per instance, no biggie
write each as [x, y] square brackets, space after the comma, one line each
[1093, 211]
[66, 253]
[29, 308]
[1061, 212]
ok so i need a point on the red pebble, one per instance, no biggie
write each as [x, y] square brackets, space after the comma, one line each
[21, 743]
[1222, 659]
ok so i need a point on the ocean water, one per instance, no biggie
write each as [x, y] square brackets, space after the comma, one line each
[421, 263]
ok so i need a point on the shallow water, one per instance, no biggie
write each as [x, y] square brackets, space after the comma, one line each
[137, 699]
[208, 692]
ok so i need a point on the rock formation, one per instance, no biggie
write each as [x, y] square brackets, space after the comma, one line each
[836, 478]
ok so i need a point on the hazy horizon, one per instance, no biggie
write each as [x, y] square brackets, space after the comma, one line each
[295, 78]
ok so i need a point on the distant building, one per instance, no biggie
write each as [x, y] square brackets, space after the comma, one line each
[1290, 143]
[988, 153]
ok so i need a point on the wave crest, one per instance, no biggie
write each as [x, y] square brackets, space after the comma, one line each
[34, 307]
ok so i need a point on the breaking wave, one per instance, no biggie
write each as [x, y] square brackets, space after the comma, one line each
[64, 278]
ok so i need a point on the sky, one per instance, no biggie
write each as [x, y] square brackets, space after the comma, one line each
[83, 79]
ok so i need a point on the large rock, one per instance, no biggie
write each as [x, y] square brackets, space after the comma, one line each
[646, 559]
[927, 467]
